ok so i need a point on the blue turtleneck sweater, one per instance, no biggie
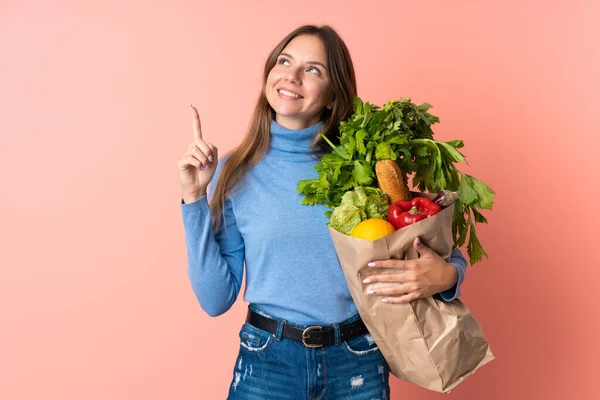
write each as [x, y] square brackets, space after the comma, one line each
[292, 270]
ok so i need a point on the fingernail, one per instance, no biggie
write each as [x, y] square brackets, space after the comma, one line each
[367, 280]
[384, 300]
[371, 264]
[210, 158]
[371, 292]
[417, 240]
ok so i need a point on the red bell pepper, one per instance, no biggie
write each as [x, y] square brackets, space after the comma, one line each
[403, 213]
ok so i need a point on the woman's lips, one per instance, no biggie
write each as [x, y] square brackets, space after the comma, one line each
[288, 95]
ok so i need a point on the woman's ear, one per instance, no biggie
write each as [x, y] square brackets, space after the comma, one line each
[331, 103]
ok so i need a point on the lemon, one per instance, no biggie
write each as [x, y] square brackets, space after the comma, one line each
[372, 229]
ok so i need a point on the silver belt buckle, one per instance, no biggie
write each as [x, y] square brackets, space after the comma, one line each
[305, 336]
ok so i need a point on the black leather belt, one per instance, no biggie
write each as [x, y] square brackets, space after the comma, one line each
[313, 336]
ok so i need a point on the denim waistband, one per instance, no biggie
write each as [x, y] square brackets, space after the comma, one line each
[258, 310]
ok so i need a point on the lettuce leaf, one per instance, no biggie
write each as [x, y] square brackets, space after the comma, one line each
[358, 205]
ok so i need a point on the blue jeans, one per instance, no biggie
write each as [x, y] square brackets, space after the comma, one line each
[270, 367]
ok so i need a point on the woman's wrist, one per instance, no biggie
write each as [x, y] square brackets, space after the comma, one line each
[190, 198]
[451, 276]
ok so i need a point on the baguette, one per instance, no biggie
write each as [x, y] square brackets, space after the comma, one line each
[392, 181]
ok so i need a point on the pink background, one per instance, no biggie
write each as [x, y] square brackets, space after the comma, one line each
[94, 112]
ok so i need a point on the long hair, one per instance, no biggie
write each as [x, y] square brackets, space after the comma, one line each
[255, 144]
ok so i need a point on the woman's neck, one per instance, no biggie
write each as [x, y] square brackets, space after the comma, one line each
[292, 142]
[296, 123]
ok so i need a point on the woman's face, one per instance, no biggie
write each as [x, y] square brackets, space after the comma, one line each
[298, 87]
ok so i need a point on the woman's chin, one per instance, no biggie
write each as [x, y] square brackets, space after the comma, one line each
[287, 114]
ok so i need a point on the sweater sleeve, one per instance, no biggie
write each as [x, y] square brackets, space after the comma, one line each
[215, 260]
[460, 263]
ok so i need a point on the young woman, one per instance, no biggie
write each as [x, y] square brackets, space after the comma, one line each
[303, 338]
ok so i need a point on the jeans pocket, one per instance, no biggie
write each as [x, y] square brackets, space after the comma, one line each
[363, 345]
[255, 340]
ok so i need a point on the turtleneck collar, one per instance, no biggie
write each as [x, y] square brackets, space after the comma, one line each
[290, 142]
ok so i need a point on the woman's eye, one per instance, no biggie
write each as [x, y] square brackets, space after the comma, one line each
[283, 61]
[314, 70]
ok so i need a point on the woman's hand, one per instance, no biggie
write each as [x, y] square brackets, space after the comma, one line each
[197, 164]
[422, 277]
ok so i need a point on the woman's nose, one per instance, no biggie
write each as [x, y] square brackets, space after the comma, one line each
[293, 75]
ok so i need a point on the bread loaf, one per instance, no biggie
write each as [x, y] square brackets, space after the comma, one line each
[391, 180]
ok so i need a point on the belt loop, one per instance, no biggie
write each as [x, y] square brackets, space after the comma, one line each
[279, 332]
[336, 331]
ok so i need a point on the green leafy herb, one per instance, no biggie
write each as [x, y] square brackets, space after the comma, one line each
[401, 131]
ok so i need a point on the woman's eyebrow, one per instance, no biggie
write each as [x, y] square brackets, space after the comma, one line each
[309, 62]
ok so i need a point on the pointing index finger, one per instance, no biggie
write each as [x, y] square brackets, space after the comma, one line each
[196, 124]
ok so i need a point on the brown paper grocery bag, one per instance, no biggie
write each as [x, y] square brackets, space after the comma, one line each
[429, 342]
